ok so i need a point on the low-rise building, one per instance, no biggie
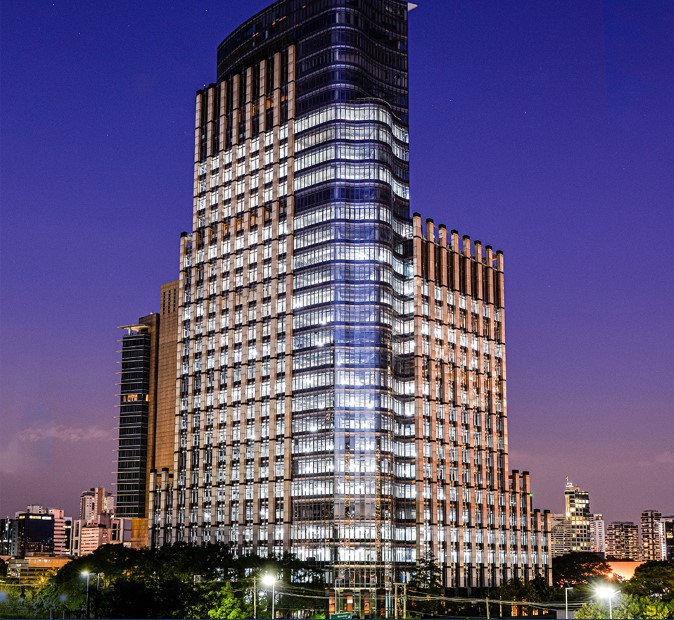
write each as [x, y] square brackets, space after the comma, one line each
[30, 570]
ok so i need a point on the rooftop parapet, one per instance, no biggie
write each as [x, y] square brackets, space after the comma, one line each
[480, 253]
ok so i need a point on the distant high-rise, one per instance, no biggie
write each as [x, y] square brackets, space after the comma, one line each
[577, 529]
[147, 402]
[622, 541]
[8, 537]
[598, 534]
[559, 535]
[339, 371]
[35, 534]
[62, 532]
[652, 536]
[96, 502]
[137, 401]
[668, 526]
[577, 512]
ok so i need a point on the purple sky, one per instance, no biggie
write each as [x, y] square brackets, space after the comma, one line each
[545, 129]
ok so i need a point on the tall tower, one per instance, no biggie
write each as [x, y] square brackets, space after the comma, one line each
[147, 404]
[340, 365]
[598, 533]
[653, 545]
[578, 518]
[137, 401]
[668, 527]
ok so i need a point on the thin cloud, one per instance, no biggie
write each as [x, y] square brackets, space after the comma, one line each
[662, 458]
[65, 434]
[665, 458]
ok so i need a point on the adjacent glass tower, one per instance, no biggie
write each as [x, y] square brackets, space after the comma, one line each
[340, 371]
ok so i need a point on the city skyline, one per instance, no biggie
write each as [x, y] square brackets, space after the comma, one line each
[46, 426]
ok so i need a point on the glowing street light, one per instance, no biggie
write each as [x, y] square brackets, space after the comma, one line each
[566, 601]
[86, 574]
[270, 580]
[609, 593]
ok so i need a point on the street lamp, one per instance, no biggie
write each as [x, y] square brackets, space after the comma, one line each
[608, 593]
[86, 574]
[270, 580]
[566, 601]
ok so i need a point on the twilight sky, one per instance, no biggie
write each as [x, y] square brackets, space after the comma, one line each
[545, 129]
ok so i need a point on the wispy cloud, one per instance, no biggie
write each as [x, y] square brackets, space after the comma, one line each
[662, 458]
[666, 458]
[66, 434]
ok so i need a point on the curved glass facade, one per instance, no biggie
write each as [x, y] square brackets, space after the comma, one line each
[352, 262]
[341, 373]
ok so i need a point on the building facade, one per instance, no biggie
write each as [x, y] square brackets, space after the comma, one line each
[8, 537]
[137, 400]
[340, 364]
[96, 502]
[62, 532]
[559, 535]
[668, 526]
[35, 534]
[653, 546]
[147, 402]
[578, 518]
[622, 541]
[598, 534]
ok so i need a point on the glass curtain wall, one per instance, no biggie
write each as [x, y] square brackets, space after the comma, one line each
[352, 256]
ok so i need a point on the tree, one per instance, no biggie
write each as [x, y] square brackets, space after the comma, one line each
[535, 591]
[573, 569]
[629, 606]
[646, 607]
[174, 581]
[653, 579]
[225, 604]
[426, 587]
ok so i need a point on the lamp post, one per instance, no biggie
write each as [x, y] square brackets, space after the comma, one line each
[608, 593]
[566, 601]
[270, 580]
[86, 574]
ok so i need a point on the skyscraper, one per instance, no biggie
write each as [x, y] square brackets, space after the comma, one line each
[598, 534]
[653, 545]
[578, 517]
[668, 526]
[340, 365]
[137, 401]
[147, 403]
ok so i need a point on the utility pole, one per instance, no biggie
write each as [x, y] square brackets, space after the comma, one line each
[405, 600]
[395, 600]
[486, 600]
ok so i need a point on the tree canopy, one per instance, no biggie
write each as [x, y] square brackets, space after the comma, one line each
[653, 579]
[573, 569]
[648, 594]
[173, 581]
